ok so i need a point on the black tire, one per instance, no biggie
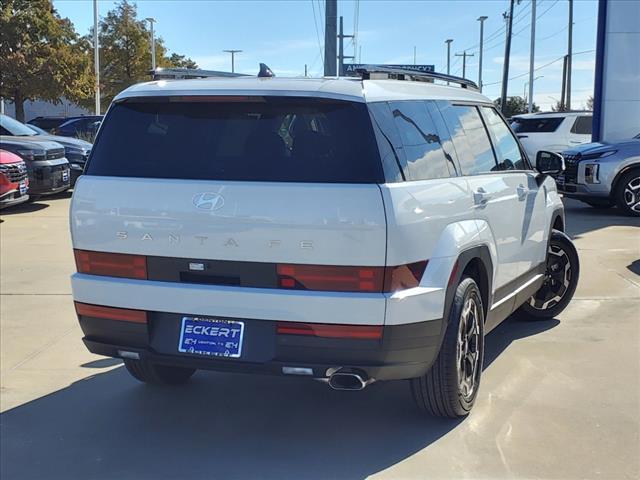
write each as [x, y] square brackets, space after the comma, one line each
[561, 280]
[148, 372]
[600, 204]
[627, 193]
[442, 390]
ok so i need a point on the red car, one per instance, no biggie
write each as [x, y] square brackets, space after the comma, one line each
[14, 181]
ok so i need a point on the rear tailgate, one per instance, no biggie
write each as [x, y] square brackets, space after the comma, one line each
[219, 193]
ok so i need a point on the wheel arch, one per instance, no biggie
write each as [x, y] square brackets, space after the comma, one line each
[620, 174]
[476, 263]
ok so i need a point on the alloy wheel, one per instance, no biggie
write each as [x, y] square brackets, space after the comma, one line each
[556, 282]
[468, 348]
[632, 194]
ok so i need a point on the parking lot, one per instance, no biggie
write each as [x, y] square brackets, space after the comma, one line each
[559, 399]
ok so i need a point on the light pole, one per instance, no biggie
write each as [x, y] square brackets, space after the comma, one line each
[532, 54]
[233, 58]
[96, 56]
[448, 42]
[530, 92]
[153, 43]
[481, 20]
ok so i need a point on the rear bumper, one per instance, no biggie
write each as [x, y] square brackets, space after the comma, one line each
[405, 351]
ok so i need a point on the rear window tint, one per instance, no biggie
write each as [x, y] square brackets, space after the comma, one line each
[421, 141]
[582, 125]
[536, 125]
[270, 139]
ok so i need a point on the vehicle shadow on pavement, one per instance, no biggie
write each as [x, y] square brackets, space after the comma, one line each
[222, 426]
[27, 207]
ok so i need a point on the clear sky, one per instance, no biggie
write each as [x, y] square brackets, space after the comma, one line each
[286, 35]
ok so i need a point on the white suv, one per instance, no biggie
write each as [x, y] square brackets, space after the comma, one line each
[552, 131]
[346, 230]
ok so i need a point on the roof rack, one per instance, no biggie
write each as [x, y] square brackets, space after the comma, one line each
[174, 73]
[418, 75]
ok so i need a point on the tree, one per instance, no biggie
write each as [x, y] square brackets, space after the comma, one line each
[590, 102]
[558, 107]
[41, 55]
[515, 106]
[125, 51]
[181, 61]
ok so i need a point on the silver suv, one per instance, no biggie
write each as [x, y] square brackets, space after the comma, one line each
[604, 174]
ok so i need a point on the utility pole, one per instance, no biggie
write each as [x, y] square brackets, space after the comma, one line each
[305, 70]
[233, 58]
[414, 54]
[507, 53]
[96, 56]
[153, 43]
[481, 20]
[330, 37]
[341, 55]
[448, 42]
[569, 55]
[563, 93]
[359, 53]
[532, 54]
[464, 56]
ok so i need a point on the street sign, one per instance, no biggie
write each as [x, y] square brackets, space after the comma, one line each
[352, 69]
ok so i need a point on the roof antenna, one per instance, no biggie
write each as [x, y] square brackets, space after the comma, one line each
[265, 71]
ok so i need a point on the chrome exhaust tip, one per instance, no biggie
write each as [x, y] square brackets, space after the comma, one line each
[349, 380]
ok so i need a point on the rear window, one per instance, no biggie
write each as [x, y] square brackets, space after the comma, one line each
[270, 139]
[536, 125]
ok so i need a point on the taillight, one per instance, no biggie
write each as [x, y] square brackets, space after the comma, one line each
[111, 264]
[322, 277]
[363, 332]
[350, 279]
[111, 313]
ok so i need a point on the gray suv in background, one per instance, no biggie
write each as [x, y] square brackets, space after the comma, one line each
[603, 175]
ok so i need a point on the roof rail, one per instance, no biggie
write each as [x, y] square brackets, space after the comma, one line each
[173, 73]
[418, 75]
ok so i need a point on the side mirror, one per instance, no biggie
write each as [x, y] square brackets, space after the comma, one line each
[549, 163]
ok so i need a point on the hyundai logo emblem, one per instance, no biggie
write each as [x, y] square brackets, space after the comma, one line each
[208, 201]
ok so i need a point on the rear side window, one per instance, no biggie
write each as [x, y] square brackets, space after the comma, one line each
[470, 138]
[582, 125]
[421, 142]
[507, 149]
[536, 125]
[270, 139]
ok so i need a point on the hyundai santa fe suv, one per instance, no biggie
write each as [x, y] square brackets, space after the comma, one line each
[348, 230]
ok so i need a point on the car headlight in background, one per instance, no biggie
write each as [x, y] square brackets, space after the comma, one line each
[77, 155]
[32, 154]
[591, 171]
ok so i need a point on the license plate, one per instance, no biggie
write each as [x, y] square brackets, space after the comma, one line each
[23, 188]
[65, 175]
[211, 337]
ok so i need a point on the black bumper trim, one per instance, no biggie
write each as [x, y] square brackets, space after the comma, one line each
[405, 351]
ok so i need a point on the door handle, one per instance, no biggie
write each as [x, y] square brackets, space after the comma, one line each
[522, 192]
[481, 197]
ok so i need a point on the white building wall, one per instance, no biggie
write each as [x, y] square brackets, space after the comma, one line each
[621, 72]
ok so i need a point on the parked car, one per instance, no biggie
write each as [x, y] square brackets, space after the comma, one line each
[604, 174]
[48, 123]
[47, 167]
[553, 131]
[14, 181]
[302, 228]
[76, 151]
[80, 127]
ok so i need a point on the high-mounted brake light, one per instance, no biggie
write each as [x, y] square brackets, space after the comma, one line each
[111, 264]
[363, 332]
[350, 279]
[111, 313]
